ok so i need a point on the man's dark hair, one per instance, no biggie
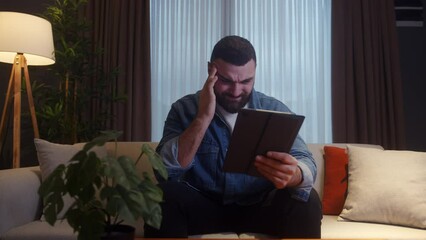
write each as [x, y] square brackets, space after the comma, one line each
[234, 50]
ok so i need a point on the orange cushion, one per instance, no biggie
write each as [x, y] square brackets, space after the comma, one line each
[335, 179]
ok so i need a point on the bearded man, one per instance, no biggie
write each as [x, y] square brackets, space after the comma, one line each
[199, 197]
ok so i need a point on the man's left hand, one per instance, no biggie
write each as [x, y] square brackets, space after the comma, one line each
[280, 168]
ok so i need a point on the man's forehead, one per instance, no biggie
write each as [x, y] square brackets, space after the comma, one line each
[222, 62]
[230, 71]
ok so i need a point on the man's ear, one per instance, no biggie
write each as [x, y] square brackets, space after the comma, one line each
[209, 67]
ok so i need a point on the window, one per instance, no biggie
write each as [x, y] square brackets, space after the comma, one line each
[292, 39]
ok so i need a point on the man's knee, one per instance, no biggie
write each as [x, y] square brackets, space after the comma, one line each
[300, 219]
[315, 205]
[313, 215]
[173, 208]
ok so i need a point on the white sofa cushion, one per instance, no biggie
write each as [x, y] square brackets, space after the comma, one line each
[386, 186]
[51, 155]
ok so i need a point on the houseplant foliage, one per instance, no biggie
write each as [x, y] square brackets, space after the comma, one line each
[104, 191]
[77, 102]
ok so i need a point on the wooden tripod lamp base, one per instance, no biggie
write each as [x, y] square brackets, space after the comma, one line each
[30, 38]
[14, 89]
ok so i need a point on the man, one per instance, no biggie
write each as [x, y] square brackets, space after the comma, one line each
[199, 197]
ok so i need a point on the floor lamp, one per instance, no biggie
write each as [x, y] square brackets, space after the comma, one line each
[24, 40]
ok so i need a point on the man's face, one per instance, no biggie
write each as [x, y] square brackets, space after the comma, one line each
[234, 84]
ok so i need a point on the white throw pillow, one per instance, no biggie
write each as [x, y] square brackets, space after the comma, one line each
[50, 155]
[386, 186]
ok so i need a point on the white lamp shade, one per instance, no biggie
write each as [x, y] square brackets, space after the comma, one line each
[27, 34]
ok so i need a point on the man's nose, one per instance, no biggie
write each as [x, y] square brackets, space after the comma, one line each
[236, 89]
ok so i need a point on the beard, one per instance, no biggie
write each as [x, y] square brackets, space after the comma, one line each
[230, 104]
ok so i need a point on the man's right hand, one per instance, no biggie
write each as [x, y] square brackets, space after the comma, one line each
[190, 139]
[207, 103]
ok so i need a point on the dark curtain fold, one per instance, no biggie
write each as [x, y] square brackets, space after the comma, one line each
[122, 30]
[366, 80]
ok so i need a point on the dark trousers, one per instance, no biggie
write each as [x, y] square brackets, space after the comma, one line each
[188, 212]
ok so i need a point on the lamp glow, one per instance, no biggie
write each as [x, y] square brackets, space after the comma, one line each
[27, 34]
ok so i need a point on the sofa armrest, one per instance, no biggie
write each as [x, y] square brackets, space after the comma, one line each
[19, 200]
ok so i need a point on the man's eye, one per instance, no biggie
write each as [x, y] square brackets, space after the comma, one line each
[246, 81]
[224, 80]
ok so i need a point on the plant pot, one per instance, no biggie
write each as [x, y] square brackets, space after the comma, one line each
[119, 232]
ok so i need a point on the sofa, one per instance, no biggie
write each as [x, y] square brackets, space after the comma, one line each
[21, 206]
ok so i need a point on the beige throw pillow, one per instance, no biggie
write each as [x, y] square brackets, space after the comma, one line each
[386, 186]
[50, 155]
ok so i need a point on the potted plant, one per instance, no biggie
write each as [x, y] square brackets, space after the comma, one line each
[104, 190]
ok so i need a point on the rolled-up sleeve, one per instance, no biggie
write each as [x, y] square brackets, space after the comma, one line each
[308, 169]
[169, 153]
[308, 177]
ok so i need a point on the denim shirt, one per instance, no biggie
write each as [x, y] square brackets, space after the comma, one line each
[205, 172]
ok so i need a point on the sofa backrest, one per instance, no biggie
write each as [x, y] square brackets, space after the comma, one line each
[133, 150]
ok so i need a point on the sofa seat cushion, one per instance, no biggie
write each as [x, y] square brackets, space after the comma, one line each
[225, 235]
[41, 230]
[332, 228]
[256, 236]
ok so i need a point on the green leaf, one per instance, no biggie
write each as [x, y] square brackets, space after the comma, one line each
[114, 203]
[150, 189]
[132, 203]
[83, 176]
[153, 195]
[154, 217]
[122, 170]
[107, 192]
[113, 170]
[90, 224]
[53, 205]
[52, 181]
[52, 190]
[155, 160]
[105, 136]
[129, 169]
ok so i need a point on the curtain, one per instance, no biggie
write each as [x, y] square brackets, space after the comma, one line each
[292, 39]
[366, 78]
[121, 29]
